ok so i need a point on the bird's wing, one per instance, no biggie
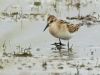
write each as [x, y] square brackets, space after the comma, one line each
[72, 28]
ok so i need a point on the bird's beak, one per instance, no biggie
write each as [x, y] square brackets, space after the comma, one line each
[46, 27]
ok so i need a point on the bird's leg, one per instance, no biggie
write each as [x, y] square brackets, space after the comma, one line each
[61, 43]
[68, 46]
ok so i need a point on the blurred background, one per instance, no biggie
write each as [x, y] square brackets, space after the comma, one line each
[22, 23]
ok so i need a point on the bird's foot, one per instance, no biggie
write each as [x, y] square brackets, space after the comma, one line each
[70, 49]
[55, 44]
[62, 44]
[58, 44]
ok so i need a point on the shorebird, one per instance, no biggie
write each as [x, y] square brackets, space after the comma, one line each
[61, 29]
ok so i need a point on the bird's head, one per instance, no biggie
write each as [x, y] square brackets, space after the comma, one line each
[50, 20]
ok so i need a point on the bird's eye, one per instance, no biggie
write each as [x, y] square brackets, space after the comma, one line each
[51, 21]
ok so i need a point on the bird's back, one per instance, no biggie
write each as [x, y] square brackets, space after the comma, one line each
[63, 25]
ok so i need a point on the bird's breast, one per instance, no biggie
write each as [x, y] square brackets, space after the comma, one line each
[53, 30]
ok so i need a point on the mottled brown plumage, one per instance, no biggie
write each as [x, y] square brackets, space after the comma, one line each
[73, 28]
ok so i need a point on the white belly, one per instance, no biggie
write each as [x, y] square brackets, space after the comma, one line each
[65, 35]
